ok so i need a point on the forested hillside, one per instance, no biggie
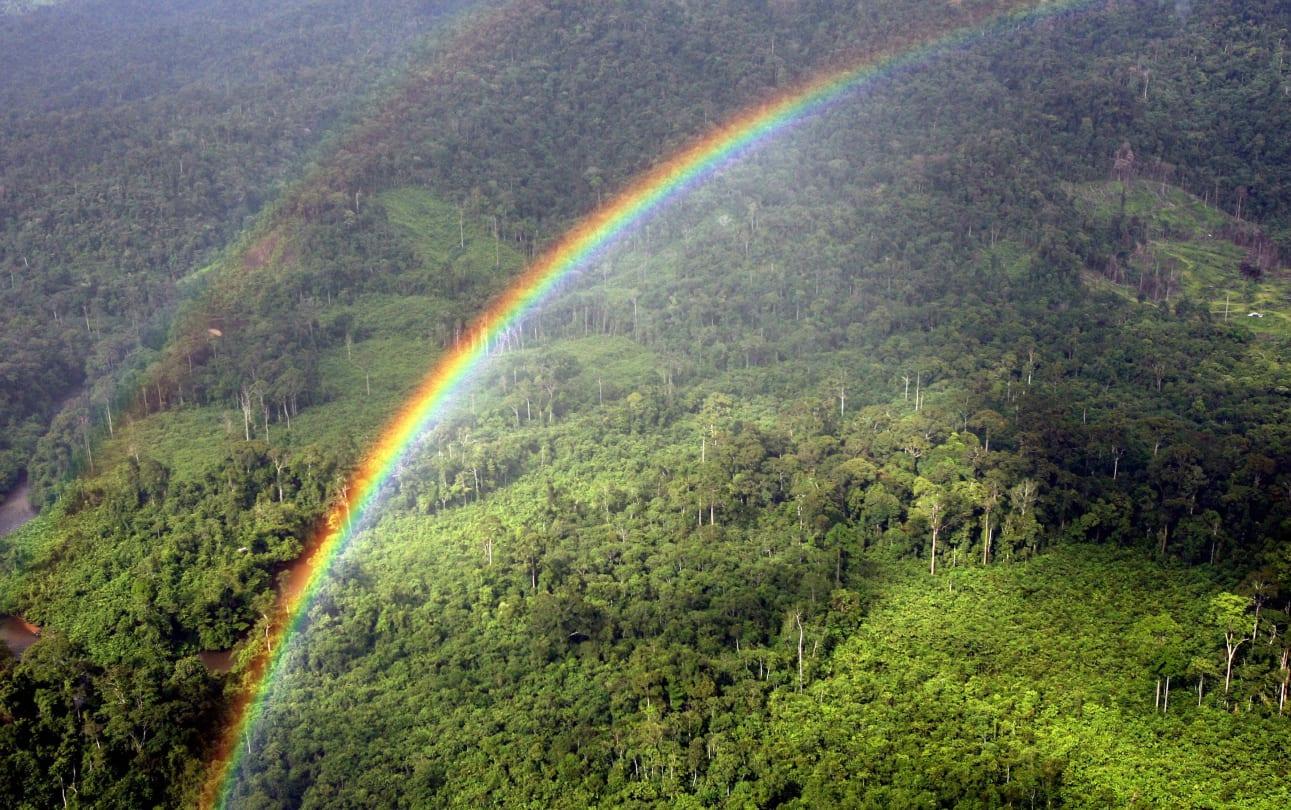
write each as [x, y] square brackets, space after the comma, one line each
[936, 452]
[136, 140]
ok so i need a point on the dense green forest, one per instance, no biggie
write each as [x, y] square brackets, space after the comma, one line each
[136, 141]
[937, 452]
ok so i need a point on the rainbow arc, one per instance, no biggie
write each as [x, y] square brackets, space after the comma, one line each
[578, 249]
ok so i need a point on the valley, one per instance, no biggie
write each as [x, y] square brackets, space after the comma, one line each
[569, 404]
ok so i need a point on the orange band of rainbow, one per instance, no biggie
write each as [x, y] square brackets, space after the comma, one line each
[573, 252]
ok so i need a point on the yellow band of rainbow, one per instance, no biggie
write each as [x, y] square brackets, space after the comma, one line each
[574, 251]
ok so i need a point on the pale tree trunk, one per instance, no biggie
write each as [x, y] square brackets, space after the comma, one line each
[245, 403]
[1286, 679]
[278, 466]
[1231, 644]
[797, 617]
[1259, 603]
[986, 538]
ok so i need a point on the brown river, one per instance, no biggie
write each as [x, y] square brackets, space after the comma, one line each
[15, 509]
[15, 632]
[18, 634]
[290, 582]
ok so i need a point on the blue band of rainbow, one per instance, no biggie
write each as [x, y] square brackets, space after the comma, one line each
[574, 251]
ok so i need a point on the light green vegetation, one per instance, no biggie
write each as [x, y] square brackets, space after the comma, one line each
[1211, 275]
[31, 542]
[363, 379]
[364, 382]
[1186, 244]
[588, 587]
[960, 682]
[831, 484]
[188, 441]
[1164, 206]
[119, 195]
[436, 229]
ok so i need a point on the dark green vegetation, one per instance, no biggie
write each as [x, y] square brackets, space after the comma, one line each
[678, 546]
[135, 141]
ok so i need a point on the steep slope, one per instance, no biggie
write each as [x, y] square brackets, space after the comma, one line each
[676, 549]
[607, 610]
[604, 605]
[135, 141]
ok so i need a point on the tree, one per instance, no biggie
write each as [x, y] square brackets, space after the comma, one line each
[1228, 615]
[932, 504]
[797, 620]
[1159, 641]
[989, 423]
[1021, 526]
[1202, 667]
[991, 494]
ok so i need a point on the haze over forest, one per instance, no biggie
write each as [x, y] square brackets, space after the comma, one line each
[722, 403]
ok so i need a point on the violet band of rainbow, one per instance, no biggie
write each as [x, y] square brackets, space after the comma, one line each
[576, 250]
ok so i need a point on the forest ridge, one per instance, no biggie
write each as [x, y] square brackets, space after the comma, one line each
[937, 453]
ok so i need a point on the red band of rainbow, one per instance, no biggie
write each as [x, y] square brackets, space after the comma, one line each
[574, 251]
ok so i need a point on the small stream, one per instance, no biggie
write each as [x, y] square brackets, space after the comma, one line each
[290, 581]
[294, 576]
[16, 509]
[18, 634]
[217, 660]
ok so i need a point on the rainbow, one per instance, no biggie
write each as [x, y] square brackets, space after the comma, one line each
[576, 250]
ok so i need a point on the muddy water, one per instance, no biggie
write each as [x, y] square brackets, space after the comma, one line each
[292, 579]
[16, 510]
[217, 660]
[288, 585]
[18, 634]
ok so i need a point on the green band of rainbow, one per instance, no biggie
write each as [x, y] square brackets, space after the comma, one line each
[574, 251]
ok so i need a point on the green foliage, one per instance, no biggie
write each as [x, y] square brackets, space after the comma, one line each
[1191, 254]
[135, 143]
[957, 694]
[669, 546]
